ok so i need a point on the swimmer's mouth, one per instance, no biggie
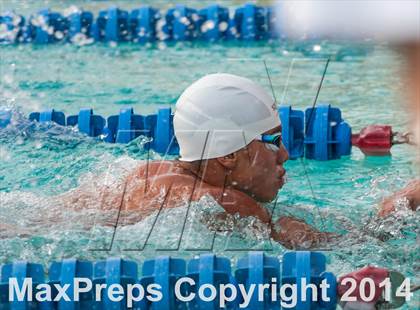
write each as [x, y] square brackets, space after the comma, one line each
[282, 177]
[282, 173]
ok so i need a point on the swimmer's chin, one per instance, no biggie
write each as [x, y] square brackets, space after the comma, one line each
[273, 195]
[265, 198]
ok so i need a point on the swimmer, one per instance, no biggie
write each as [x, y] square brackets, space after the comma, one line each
[229, 134]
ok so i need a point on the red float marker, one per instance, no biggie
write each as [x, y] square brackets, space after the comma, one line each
[377, 140]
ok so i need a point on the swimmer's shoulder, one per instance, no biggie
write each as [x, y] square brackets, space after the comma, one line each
[163, 175]
[153, 169]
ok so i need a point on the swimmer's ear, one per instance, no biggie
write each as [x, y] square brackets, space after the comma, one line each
[228, 161]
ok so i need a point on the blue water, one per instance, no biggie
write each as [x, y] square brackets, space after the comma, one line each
[40, 164]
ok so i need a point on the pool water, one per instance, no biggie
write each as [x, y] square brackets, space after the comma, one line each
[40, 164]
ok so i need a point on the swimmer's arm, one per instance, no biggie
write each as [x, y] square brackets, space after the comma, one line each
[288, 231]
[235, 202]
[292, 233]
[411, 193]
[296, 234]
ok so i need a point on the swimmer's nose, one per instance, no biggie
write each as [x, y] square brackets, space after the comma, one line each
[282, 154]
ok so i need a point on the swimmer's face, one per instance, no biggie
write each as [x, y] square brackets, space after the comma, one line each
[259, 170]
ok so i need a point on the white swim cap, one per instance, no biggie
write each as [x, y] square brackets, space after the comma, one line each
[391, 20]
[220, 114]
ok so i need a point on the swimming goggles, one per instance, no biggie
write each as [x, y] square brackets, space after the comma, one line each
[271, 142]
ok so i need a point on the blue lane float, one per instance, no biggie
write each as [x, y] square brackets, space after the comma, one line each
[327, 136]
[310, 266]
[63, 273]
[20, 271]
[165, 271]
[114, 271]
[80, 24]
[49, 116]
[143, 24]
[292, 122]
[127, 126]
[87, 122]
[251, 22]
[164, 135]
[319, 133]
[124, 127]
[112, 25]
[210, 269]
[182, 23]
[48, 27]
[207, 269]
[257, 268]
[214, 23]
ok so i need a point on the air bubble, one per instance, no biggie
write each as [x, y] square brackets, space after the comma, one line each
[81, 39]
[208, 25]
[223, 26]
[59, 35]
[161, 45]
[16, 20]
[8, 79]
[195, 17]
[38, 145]
[316, 48]
[19, 141]
[5, 154]
[184, 20]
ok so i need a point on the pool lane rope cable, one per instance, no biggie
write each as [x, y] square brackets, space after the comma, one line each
[317, 95]
[306, 129]
[271, 83]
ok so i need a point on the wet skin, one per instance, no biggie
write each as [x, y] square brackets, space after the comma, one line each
[411, 193]
[239, 182]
